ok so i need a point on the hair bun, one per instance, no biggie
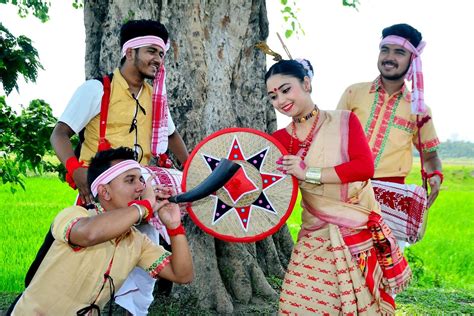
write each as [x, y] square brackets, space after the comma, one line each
[307, 66]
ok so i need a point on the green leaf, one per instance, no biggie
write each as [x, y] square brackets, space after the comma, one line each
[284, 2]
[18, 57]
[38, 8]
[78, 4]
[291, 19]
[35, 124]
[350, 3]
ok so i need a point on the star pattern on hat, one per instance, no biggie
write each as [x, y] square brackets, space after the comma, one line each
[240, 185]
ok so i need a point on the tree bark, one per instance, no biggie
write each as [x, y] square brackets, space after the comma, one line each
[214, 81]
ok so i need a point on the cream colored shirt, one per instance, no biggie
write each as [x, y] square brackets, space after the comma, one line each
[389, 126]
[70, 278]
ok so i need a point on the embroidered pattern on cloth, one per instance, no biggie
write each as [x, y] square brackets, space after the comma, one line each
[395, 269]
[403, 207]
[159, 136]
[67, 232]
[323, 278]
[403, 124]
[430, 145]
[159, 264]
[168, 178]
[383, 131]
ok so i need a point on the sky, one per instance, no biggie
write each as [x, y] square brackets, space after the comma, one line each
[341, 43]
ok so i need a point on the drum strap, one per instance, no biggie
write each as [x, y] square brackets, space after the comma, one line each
[419, 124]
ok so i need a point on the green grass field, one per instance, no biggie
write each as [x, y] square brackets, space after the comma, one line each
[25, 219]
[443, 262]
[447, 250]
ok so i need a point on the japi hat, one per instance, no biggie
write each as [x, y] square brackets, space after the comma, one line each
[256, 201]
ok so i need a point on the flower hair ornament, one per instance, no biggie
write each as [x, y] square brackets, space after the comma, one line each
[306, 66]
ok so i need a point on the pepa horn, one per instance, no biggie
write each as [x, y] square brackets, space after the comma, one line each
[216, 180]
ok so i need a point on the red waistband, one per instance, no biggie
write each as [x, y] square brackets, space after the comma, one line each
[400, 180]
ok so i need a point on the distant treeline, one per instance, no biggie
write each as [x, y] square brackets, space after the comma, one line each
[454, 149]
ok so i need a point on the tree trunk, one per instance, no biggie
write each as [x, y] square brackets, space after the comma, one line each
[214, 81]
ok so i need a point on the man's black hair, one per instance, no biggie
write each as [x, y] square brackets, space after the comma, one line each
[137, 28]
[103, 161]
[405, 31]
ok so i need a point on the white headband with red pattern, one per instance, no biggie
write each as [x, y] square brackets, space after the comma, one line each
[112, 173]
[142, 41]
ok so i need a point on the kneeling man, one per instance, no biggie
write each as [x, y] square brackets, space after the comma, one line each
[95, 250]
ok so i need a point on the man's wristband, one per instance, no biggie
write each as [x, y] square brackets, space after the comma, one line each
[140, 214]
[176, 231]
[148, 209]
[436, 173]
[313, 175]
[72, 164]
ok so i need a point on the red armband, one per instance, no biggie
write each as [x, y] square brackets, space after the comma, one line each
[148, 209]
[70, 181]
[437, 173]
[434, 173]
[176, 231]
[71, 165]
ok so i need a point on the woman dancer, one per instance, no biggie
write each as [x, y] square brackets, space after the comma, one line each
[346, 259]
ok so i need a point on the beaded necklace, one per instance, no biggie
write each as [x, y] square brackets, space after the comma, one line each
[307, 141]
[307, 117]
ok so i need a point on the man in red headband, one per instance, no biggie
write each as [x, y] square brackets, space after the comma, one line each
[136, 116]
[94, 250]
[395, 119]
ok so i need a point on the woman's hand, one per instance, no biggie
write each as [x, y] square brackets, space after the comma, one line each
[293, 165]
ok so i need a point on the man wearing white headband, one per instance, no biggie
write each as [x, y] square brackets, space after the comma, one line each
[94, 250]
[137, 117]
[395, 119]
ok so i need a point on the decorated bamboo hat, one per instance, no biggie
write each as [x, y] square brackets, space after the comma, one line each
[256, 201]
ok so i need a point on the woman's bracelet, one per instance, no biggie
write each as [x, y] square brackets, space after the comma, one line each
[313, 175]
[176, 231]
[140, 214]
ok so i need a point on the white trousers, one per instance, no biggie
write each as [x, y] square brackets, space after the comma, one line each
[136, 293]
